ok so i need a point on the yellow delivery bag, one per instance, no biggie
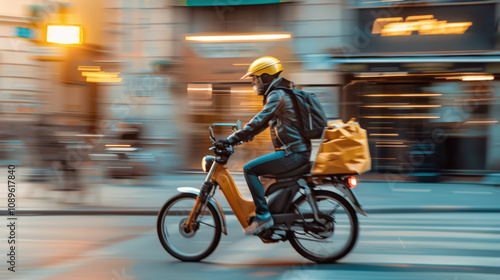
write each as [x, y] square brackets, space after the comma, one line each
[343, 150]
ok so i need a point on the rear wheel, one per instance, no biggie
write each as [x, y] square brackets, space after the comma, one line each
[184, 244]
[332, 240]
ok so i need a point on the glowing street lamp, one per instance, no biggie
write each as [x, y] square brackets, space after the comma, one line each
[224, 38]
[64, 34]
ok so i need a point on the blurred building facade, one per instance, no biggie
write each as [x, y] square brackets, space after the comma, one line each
[430, 105]
[422, 116]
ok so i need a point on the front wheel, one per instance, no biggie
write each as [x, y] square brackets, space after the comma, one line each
[332, 240]
[178, 241]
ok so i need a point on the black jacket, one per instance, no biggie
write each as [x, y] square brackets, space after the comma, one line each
[279, 114]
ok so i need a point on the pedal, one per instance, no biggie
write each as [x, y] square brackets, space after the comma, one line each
[268, 241]
[267, 237]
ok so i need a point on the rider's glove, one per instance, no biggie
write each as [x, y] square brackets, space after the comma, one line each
[225, 142]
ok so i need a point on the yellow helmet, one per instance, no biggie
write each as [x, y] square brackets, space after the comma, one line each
[266, 64]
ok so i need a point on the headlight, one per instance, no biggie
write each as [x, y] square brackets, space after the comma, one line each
[206, 163]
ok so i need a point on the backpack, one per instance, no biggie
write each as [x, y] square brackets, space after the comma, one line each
[310, 115]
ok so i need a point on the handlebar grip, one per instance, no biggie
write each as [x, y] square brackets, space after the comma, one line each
[221, 146]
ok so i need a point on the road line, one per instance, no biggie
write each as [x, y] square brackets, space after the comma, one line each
[484, 236]
[464, 261]
[443, 228]
[487, 246]
[401, 242]
[62, 241]
[464, 192]
[411, 190]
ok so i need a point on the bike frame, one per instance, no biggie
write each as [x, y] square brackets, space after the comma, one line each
[242, 208]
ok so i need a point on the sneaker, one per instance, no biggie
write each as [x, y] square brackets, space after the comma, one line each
[268, 241]
[257, 226]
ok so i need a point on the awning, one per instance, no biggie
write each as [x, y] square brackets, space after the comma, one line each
[201, 3]
[418, 58]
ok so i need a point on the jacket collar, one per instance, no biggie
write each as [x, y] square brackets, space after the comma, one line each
[279, 82]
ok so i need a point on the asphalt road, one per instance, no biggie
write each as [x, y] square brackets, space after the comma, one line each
[445, 246]
[136, 197]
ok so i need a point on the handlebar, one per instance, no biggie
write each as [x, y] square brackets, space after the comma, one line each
[223, 151]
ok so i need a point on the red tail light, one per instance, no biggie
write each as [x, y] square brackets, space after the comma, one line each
[352, 181]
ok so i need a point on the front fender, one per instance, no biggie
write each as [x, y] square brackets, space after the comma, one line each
[212, 201]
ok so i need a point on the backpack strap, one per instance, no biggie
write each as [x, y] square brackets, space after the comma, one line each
[295, 104]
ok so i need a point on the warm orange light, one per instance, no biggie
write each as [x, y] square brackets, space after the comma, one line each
[89, 68]
[381, 74]
[403, 95]
[482, 121]
[200, 89]
[241, 91]
[478, 78]
[238, 38]
[380, 23]
[419, 18]
[423, 24]
[443, 27]
[64, 34]
[384, 134]
[391, 146]
[102, 77]
[398, 29]
[117, 145]
[401, 106]
[353, 182]
[472, 78]
[401, 117]
[475, 100]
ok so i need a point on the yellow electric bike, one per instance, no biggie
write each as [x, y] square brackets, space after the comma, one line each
[320, 224]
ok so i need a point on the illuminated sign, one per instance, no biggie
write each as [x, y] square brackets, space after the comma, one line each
[424, 25]
[95, 75]
[64, 34]
[424, 28]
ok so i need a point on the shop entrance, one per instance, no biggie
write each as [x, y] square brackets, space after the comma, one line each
[421, 123]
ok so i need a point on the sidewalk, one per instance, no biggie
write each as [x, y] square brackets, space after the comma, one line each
[145, 197]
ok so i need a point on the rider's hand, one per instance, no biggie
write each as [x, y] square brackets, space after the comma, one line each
[225, 142]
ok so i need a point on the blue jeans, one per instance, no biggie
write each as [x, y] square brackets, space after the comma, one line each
[275, 163]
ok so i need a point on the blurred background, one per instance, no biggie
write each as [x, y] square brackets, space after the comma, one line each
[97, 90]
[105, 107]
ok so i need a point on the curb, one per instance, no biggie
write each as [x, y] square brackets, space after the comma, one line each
[128, 212]
[81, 213]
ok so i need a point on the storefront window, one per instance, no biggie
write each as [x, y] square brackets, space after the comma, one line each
[371, 3]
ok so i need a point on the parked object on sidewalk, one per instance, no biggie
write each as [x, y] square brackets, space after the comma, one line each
[122, 154]
[343, 150]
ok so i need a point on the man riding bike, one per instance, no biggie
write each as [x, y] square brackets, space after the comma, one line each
[292, 150]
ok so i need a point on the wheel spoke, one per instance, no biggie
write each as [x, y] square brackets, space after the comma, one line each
[334, 209]
[207, 224]
[315, 240]
[335, 238]
[192, 245]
